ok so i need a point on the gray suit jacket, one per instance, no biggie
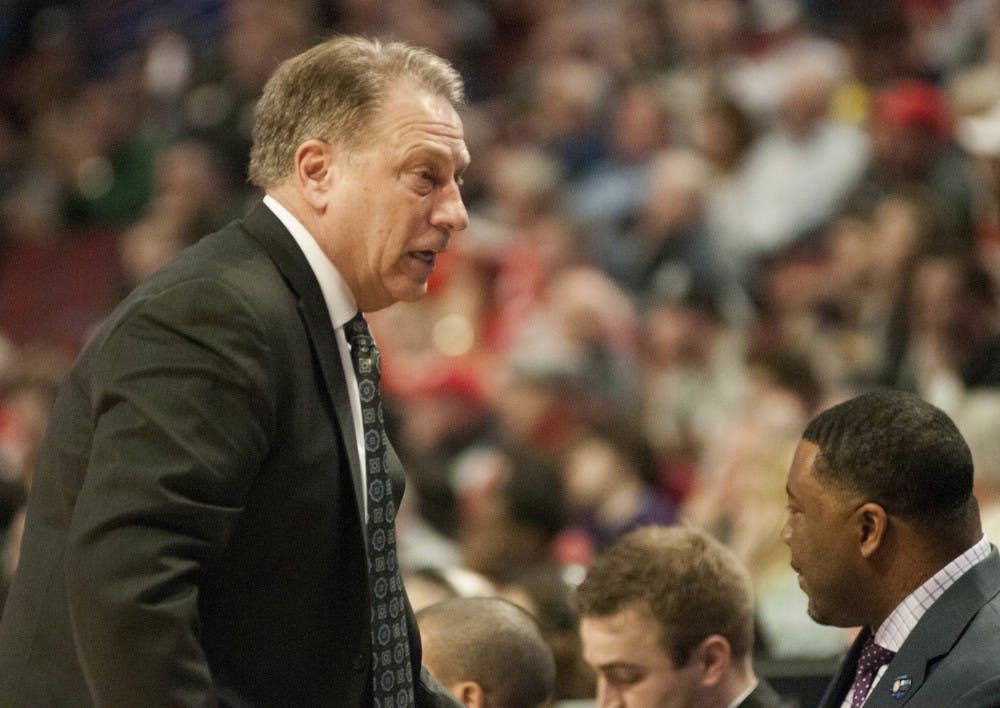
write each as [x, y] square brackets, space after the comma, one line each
[952, 657]
[195, 532]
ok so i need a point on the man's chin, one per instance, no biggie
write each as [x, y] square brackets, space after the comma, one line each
[824, 617]
[816, 613]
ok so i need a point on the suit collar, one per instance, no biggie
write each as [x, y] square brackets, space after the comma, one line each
[938, 630]
[339, 299]
[762, 696]
[265, 227]
[844, 677]
[933, 637]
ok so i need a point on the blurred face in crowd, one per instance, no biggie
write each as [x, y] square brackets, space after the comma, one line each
[633, 669]
[592, 471]
[704, 28]
[818, 531]
[395, 199]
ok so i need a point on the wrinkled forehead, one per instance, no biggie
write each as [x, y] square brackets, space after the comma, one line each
[410, 113]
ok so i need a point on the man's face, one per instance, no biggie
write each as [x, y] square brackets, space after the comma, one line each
[396, 198]
[824, 549]
[633, 670]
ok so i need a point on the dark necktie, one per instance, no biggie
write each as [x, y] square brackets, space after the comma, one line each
[392, 674]
[873, 657]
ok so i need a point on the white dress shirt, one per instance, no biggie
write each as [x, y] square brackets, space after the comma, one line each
[743, 696]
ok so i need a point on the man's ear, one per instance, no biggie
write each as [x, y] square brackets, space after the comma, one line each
[872, 523]
[314, 171]
[469, 693]
[712, 659]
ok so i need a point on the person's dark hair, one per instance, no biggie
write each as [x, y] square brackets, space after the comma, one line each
[690, 583]
[543, 590]
[534, 493]
[789, 370]
[492, 642]
[900, 452]
[623, 435]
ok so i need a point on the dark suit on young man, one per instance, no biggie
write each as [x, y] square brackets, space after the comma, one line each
[763, 696]
[195, 527]
[952, 657]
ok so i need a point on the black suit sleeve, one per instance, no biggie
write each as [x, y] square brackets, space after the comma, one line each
[182, 416]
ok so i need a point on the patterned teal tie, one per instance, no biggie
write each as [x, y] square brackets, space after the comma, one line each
[392, 674]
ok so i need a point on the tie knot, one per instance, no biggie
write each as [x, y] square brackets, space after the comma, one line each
[874, 654]
[359, 337]
[364, 353]
[357, 327]
[872, 658]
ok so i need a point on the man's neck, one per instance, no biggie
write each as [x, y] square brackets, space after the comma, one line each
[739, 683]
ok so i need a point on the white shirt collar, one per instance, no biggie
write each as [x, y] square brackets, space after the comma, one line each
[897, 626]
[339, 299]
[743, 696]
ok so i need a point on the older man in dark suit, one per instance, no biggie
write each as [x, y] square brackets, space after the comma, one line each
[211, 520]
[885, 534]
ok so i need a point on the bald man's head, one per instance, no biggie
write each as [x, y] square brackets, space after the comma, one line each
[492, 643]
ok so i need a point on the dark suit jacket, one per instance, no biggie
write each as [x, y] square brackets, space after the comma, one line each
[194, 532]
[952, 657]
[764, 697]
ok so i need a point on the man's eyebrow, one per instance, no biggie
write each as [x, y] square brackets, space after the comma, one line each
[618, 665]
[436, 154]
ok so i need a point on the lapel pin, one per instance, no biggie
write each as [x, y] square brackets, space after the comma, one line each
[900, 685]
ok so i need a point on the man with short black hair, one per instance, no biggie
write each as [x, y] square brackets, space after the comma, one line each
[884, 533]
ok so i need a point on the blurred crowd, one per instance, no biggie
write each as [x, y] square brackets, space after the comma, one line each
[694, 223]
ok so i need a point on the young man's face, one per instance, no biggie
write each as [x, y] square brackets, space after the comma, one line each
[632, 668]
[397, 197]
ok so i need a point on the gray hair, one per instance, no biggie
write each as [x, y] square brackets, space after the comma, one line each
[330, 92]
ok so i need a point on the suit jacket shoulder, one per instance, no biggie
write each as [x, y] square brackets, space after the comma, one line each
[764, 696]
[950, 657]
[196, 469]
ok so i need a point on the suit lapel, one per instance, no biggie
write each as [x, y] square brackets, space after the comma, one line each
[842, 681]
[935, 634]
[267, 229]
[763, 697]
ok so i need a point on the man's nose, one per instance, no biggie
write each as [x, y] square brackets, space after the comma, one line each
[607, 696]
[450, 212]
